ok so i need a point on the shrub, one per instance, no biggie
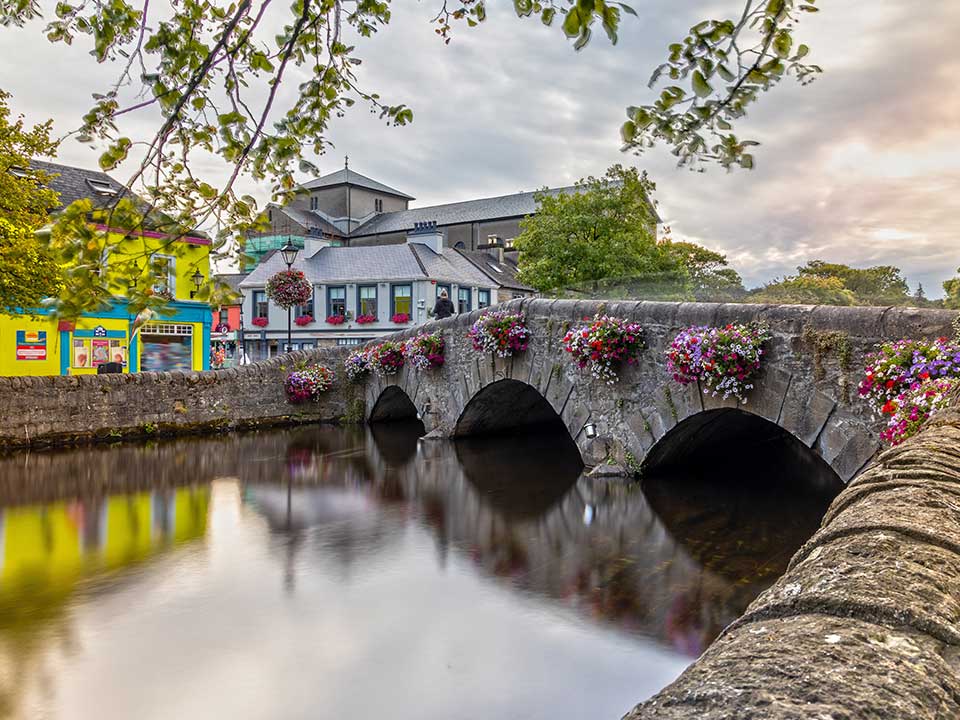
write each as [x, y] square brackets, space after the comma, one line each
[724, 360]
[500, 332]
[425, 351]
[604, 345]
[308, 384]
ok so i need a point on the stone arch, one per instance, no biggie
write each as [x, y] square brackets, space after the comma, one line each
[393, 404]
[507, 406]
[727, 437]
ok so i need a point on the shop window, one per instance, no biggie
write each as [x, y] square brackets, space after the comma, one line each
[463, 300]
[260, 306]
[402, 300]
[367, 300]
[336, 301]
[166, 346]
[483, 299]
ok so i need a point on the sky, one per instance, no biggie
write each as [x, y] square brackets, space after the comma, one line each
[860, 167]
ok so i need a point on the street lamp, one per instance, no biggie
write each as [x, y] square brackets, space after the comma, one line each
[197, 278]
[241, 350]
[289, 254]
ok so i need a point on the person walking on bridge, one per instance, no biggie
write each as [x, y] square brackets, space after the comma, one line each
[443, 308]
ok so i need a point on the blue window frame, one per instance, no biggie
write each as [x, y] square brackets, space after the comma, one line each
[336, 300]
[367, 300]
[464, 297]
[261, 308]
[483, 299]
[401, 299]
[306, 308]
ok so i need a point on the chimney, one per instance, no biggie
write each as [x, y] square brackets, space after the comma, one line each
[312, 244]
[427, 233]
[495, 247]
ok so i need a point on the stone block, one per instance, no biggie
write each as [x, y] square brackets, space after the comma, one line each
[805, 412]
[769, 393]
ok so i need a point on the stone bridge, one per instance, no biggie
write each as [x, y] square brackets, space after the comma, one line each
[805, 396]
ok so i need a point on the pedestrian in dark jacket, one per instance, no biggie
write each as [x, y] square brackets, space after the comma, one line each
[443, 307]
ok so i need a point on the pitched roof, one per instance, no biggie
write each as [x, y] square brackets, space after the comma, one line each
[310, 220]
[375, 263]
[504, 206]
[72, 183]
[347, 176]
[503, 273]
[231, 280]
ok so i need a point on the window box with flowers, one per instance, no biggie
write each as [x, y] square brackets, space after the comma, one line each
[336, 320]
[304, 320]
[400, 319]
[260, 321]
[366, 319]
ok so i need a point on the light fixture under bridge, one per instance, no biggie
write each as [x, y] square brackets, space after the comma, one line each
[590, 430]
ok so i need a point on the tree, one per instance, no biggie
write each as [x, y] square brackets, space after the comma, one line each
[879, 285]
[951, 289]
[604, 230]
[710, 277]
[28, 271]
[805, 290]
[213, 70]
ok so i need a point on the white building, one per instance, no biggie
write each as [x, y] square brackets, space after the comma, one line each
[374, 283]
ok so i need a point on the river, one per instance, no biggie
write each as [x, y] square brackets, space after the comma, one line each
[360, 573]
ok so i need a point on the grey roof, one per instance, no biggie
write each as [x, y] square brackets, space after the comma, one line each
[503, 273]
[231, 280]
[310, 220]
[504, 206]
[345, 176]
[70, 183]
[376, 263]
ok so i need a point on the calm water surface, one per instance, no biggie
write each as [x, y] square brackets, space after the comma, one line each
[322, 572]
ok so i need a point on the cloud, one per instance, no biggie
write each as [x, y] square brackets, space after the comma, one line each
[860, 167]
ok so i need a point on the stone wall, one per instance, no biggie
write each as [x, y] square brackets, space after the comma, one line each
[866, 622]
[67, 409]
[807, 386]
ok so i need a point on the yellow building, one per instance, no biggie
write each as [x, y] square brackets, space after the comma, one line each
[36, 344]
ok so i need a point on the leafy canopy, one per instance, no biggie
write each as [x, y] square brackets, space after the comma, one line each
[822, 283]
[28, 271]
[605, 229]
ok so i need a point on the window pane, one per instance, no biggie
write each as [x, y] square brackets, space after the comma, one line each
[260, 307]
[483, 298]
[402, 299]
[337, 301]
[368, 300]
[463, 300]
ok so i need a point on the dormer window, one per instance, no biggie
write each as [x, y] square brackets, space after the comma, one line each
[495, 268]
[314, 202]
[102, 187]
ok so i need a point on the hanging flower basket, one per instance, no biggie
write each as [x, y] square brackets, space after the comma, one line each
[308, 384]
[500, 332]
[336, 320]
[387, 358]
[400, 319]
[288, 288]
[260, 321]
[304, 320]
[366, 319]
[724, 360]
[604, 346]
[425, 351]
[357, 365]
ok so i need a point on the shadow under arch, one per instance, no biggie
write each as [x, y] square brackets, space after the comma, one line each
[393, 404]
[505, 407]
[731, 438]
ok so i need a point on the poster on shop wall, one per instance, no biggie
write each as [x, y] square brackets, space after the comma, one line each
[81, 353]
[100, 353]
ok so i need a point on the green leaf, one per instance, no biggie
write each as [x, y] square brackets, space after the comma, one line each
[700, 85]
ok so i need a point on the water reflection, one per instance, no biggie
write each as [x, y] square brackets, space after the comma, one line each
[365, 572]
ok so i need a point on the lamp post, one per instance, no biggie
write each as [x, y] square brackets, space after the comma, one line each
[241, 350]
[197, 278]
[289, 254]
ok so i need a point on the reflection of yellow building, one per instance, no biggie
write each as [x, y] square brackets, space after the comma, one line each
[49, 548]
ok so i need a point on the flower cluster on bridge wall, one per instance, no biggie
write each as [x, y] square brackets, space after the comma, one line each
[500, 332]
[387, 358]
[725, 360]
[909, 381]
[604, 346]
[426, 351]
[357, 365]
[308, 383]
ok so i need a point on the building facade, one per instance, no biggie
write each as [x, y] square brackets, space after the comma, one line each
[361, 293]
[36, 343]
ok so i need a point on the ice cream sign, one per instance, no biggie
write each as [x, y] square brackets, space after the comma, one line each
[31, 345]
